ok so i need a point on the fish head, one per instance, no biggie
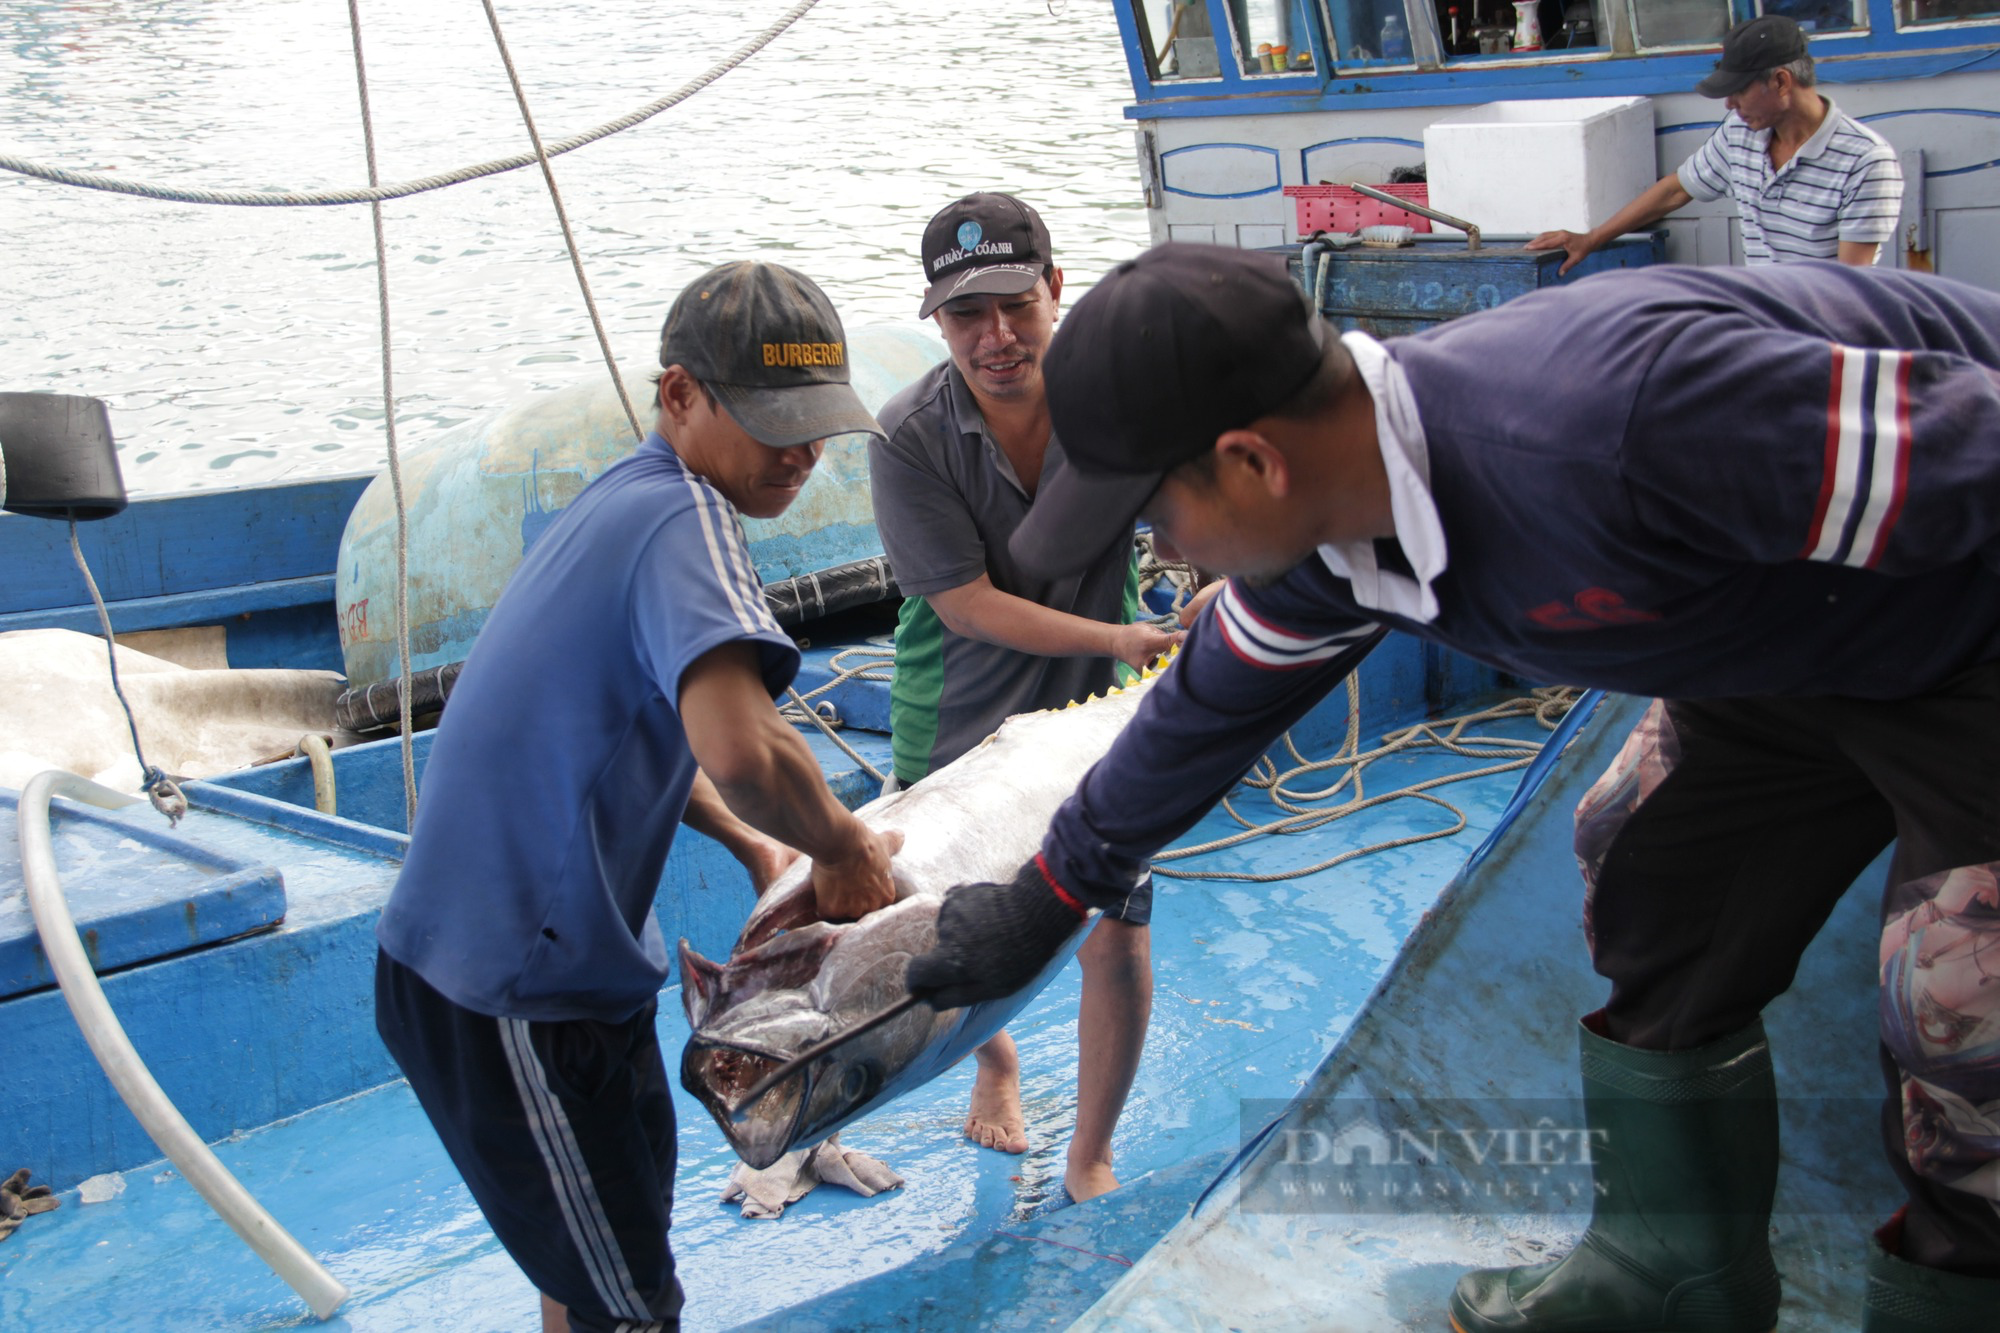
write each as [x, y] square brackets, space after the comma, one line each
[772, 1003]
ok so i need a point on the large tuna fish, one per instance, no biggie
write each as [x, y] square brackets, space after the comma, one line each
[793, 981]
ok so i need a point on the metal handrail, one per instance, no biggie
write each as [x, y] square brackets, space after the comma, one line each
[1423, 210]
[135, 1083]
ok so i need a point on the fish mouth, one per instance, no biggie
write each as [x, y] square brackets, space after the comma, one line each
[720, 1073]
[763, 1123]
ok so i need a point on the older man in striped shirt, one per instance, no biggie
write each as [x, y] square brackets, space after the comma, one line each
[1810, 181]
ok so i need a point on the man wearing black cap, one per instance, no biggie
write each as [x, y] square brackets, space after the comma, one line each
[964, 451]
[1810, 181]
[621, 686]
[1772, 501]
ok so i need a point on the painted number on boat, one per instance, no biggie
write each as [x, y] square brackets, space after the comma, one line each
[354, 622]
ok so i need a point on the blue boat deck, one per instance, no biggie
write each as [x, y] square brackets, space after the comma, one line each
[1254, 984]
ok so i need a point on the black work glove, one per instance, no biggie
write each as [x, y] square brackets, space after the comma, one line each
[18, 1199]
[993, 939]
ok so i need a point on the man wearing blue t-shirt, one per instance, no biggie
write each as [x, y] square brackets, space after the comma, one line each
[1771, 500]
[622, 686]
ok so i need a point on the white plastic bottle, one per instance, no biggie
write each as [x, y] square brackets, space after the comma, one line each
[1395, 41]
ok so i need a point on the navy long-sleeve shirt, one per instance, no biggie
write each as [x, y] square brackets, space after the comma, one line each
[1674, 482]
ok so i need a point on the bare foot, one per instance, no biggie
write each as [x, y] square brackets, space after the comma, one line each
[995, 1120]
[1086, 1180]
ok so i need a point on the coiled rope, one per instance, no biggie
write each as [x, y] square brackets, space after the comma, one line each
[376, 193]
[1303, 811]
[876, 662]
[1546, 705]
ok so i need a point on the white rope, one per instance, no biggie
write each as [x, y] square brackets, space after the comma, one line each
[562, 217]
[405, 727]
[541, 155]
[376, 193]
[877, 664]
[1546, 705]
[810, 714]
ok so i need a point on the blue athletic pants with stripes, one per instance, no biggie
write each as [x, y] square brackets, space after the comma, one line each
[564, 1133]
[1713, 851]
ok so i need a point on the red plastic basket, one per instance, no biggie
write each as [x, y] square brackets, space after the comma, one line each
[1338, 208]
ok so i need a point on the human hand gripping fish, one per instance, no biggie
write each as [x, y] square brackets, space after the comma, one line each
[851, 886]
[812, 1022]
[993, 939]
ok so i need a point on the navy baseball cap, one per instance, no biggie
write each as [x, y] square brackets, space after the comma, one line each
[1752, 50]
[1168, 352]
[983, 245]
[767, 342]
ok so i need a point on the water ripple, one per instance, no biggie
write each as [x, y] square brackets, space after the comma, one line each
[240, 345]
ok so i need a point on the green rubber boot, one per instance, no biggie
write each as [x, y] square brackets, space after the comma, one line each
[1906, 1298]
[1679, 1239]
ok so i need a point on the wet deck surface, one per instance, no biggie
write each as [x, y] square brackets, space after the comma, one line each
[1254, 984]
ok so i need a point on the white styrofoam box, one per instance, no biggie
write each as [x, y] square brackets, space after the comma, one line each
[1524, 167]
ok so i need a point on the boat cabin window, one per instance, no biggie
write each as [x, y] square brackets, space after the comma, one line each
[1269, 37]
[1373, 32]
[1910, 13]
[1179, 38]
[1664, 23]
[1235, 44]
[1820, 16]
[1660, 23]
[1474, 28]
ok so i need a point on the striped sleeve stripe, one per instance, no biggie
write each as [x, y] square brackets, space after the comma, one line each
[1262, 644]
[569, 1176]
[730, 559]
[1867, 458]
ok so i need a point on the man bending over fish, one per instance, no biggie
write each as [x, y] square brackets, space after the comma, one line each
[622, 686]
[963, 451]
[1770, 500]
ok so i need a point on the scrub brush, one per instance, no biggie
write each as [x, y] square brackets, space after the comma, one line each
[1388, 237]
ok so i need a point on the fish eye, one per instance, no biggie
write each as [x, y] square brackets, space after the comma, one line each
[859, 1081]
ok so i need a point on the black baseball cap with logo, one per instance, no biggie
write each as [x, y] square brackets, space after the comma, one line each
[1164, 355]
[766, 340]
[1752, 50]
[983, 244]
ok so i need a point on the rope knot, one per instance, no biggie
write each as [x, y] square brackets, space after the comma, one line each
[166, 796]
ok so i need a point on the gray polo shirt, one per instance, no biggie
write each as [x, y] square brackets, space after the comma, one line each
[1844, 184]
[946, 501]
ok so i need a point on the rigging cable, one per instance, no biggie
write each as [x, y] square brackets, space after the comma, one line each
[375, 193]
[569, 237]
[389, 427]
[161, 790]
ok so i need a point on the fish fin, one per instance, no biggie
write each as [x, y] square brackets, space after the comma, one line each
[701, 980]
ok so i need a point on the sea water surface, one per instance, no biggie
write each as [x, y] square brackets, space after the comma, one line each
[240, 345]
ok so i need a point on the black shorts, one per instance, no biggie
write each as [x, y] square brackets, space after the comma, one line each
[564, 1133]
[1136, 907]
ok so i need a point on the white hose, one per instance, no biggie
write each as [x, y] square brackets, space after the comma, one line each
[316, 750]
[157, 1115]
